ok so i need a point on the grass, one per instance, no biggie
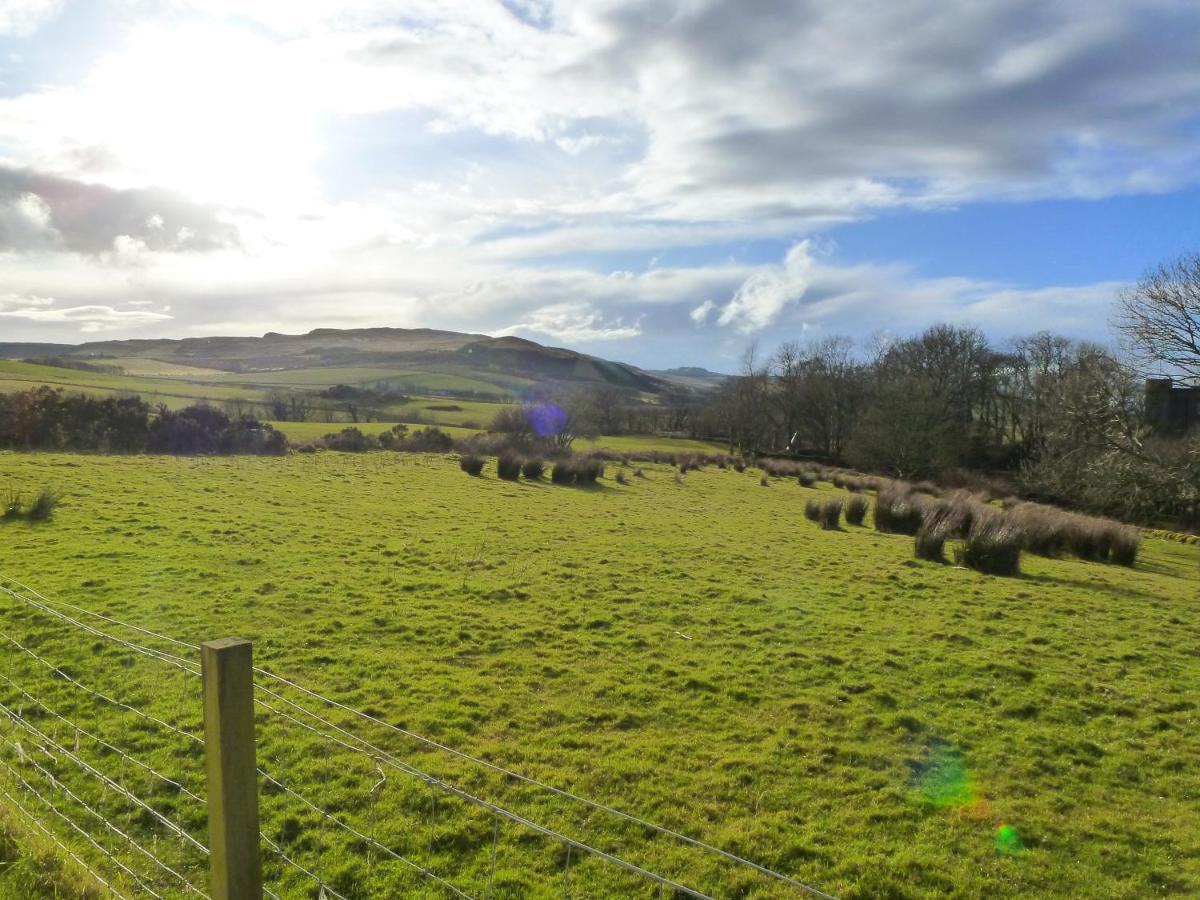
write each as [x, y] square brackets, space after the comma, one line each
[817, 700]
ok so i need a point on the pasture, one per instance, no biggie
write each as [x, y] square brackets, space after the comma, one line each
[689, 650]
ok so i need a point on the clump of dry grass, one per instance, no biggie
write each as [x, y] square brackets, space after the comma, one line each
[993, 544]
[897, 509]
[533, 468]
[856, 509]
[807, 478]
[812, 510]
[765, 481]
[638, 473]
[621, 477]
[43, 505]
[470, 463]
[830, 514]
[509, 467]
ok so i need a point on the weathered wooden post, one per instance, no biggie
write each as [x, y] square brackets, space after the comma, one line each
[235, 864]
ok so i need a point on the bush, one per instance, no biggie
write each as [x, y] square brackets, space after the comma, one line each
[897, 509]
[993, 544]
[43, 505]
[831, 514]
[807, 478]
[471, 464]
[856, 509]
[812, 510]
[348, 440]
[563, 472]
[428, 440]
[508, 467]
[533, 469]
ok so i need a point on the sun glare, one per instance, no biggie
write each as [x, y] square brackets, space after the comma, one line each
[202, 111]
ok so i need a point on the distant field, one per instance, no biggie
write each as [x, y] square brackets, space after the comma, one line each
[139, 366]
[19, 376]
[695, 653]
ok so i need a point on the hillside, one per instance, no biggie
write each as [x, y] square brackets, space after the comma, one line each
[505, 365]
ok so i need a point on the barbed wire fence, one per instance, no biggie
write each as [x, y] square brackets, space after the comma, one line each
[102, 752]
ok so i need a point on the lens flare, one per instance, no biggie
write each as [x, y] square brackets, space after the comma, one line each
[944, 782]
[547, 419]
[1008, 841]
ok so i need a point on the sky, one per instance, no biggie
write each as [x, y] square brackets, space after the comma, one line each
[662, 182]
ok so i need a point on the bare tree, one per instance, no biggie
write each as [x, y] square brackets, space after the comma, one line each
[1160, 316]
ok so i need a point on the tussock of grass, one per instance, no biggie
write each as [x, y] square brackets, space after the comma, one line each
[471, 464]
[856, 509]
[509, 467]
[533, 468]
[830, 514]
[992, 545]
[812, 510]
[897, 509]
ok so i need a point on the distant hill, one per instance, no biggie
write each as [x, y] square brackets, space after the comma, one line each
[691, 377]
[510, 364]
[21, 351]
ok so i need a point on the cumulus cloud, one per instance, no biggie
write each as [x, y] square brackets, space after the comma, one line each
[41, 211]
[764, 295]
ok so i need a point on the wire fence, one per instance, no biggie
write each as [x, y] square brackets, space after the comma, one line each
[102, 752]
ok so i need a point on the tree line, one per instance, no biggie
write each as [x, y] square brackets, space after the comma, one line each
[45, 418]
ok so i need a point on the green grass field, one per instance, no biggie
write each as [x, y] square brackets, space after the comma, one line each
[696, 653]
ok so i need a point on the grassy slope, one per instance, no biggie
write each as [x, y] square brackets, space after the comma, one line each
[19, 376]
[837, 709]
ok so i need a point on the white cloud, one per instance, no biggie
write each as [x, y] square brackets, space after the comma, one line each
[22, 17]
[576, 322]
[765, 294]
[699, 315]
[88, 319]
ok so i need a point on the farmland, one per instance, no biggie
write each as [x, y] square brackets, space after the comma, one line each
[689, 650]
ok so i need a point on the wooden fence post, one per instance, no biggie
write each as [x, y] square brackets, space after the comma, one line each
[235, 864]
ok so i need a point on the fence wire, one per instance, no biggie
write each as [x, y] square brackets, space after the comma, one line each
[351, 805]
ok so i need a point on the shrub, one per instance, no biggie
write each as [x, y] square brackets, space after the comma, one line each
[807, 478]
[533, 468]
[429, 440]
[831, 514]
[509, 467]
[563, 472]
[43, 505]
[812, 510]
[856, 509]
[993, 544]
[471, 464]
[348, 440]
[897, 509]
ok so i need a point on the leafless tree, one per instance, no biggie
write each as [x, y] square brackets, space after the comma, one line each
[1160, 316]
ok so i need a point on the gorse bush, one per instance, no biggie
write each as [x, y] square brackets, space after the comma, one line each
[533, 468]
[830, 514]
[471, 464]
[992, 545]
[508, 467]
[812, 510]
[856, 509]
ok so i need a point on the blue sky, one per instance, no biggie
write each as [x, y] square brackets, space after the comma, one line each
[659, 181]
